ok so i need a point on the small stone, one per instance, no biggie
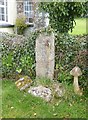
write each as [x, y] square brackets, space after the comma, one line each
[23, 82]
[59, 90]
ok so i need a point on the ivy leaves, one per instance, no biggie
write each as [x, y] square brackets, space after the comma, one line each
[62, 14]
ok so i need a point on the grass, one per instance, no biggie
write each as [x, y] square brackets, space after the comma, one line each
[20, 104]
[80, 27]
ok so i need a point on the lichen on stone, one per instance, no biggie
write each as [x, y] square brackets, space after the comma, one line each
[23, 82]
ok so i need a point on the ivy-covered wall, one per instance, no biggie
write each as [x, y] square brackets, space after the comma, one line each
[18, 56]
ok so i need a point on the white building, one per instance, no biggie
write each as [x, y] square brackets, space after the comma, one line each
[9, 10]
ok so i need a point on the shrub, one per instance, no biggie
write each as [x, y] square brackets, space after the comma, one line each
[18, 55]
[20, 24]
[69, 52]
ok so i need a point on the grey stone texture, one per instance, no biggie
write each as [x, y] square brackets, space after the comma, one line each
[45, 53]
[20, 6]
[42, 92]
[58, 90]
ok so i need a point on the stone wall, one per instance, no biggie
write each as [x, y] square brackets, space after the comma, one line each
[19, 6]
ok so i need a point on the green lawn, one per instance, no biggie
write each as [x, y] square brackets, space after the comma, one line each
[80, 27]
[19, 104]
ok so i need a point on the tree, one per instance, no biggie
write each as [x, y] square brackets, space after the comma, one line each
[62, 14]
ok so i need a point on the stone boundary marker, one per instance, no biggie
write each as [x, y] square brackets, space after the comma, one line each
[45, 53]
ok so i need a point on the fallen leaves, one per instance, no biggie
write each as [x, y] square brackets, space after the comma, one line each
[12, 107]
[35, 114]
[55, 114]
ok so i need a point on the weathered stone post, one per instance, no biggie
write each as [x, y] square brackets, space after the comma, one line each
[45, 53]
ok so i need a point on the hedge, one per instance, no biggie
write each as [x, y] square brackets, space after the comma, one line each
[18, 55]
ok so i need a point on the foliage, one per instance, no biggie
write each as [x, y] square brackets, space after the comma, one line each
[43, 81]
[18, 54]
[62, 14]
[80, 27]
[69, 52]
[66, 49]
[20, 24]
[18, 58]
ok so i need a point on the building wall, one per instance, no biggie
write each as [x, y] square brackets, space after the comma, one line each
[7, 30]
[12, 14]
[19, 7]
[15, 7]
[12, 11]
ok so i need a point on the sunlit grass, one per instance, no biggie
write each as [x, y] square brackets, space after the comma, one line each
[81, 26]
[19, 104]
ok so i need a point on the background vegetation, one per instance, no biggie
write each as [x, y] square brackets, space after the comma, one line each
[19, 59]
[20, 24]
[80, 27]
[62, 14]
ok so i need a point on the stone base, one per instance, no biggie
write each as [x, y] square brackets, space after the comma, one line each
[42, 92]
